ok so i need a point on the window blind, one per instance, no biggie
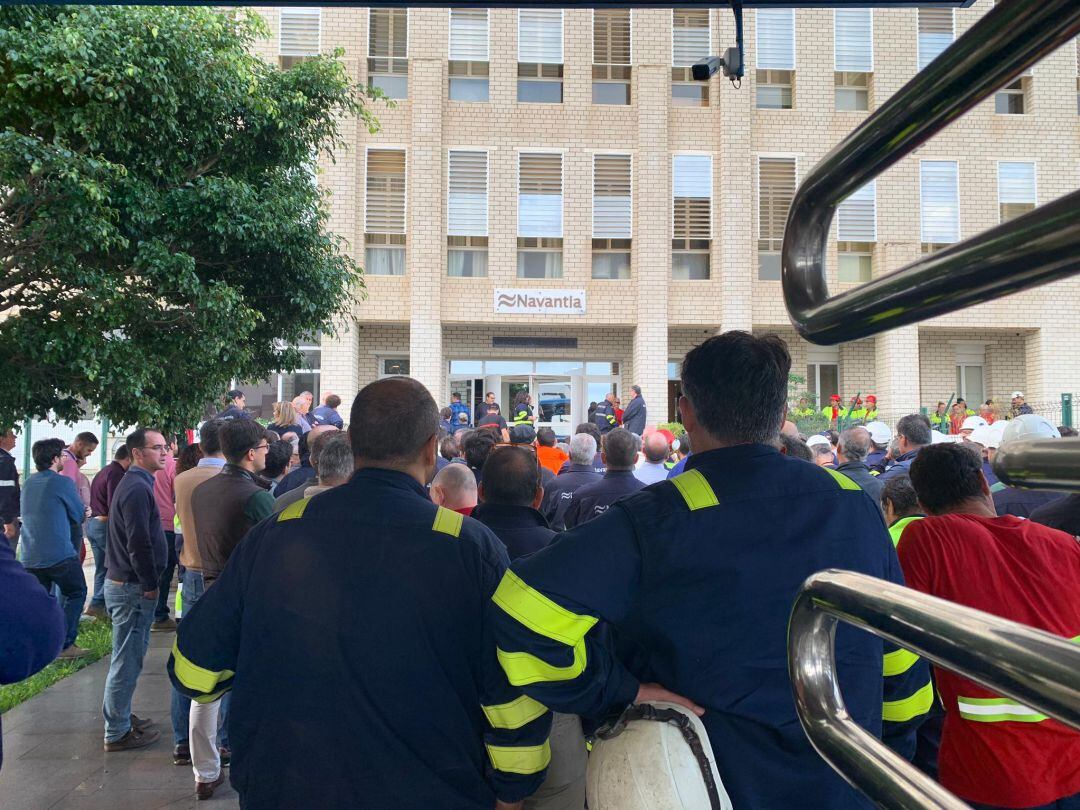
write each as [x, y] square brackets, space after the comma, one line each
[935, 33]
[691, 186]
[775, 38]
[857, 216]
[469, 34]
[385, 203]
[388, 32]
[940, 201]
[853, 49]
[540, 36]
[776, 190]
[690, 36]
[612, 204]
[611, 36]
[540, 195]
[299, 31]
[467, 205]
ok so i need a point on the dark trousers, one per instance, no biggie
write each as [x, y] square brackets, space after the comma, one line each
[68, 577]
[161, 611]
[1068, 803]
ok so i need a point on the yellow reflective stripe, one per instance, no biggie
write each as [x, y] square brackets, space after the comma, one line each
[213, 697]
[448, 522]
[695, 490]
[293, 510]
[540, 614]
[997, 710]
[842, 480]
[899, 661]
[524, 759]
[514, 714]
[195, 677]
[900, 711]
[522, 668]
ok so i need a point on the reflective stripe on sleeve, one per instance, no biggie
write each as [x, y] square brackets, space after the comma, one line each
[522, 668]
[540, 614]
[843, 480]
[900, 711]
[195, 677]
[996, 710]
[524, 759]
[448, 522]
[695, 490]
[899, 661]
[294, 510]
[514, 714]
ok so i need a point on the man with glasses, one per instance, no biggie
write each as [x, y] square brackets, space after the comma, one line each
[223, 509]
[135, 556]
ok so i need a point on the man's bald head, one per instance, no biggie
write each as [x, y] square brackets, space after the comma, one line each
[318, 431]
[656, 448]
[454, 487]
[392, 421]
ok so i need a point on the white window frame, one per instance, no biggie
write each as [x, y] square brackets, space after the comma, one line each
[757, 180]
[562, 43]
[612, 153]
[450, 34]
[836, 40]
[592, 40]
[1034, 183]
[379, 147]
[922, 211]
[712, 182]
[487, 188]
[281, 16]
[872, 185]
[710, 18]
[562, 192]
[757, 40]
[918, 39]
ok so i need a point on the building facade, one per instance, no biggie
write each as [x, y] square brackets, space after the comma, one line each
[551, 205]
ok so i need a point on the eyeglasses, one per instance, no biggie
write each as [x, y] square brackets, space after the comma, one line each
[261, 447]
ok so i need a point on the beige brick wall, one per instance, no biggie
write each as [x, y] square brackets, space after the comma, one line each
[650, 318]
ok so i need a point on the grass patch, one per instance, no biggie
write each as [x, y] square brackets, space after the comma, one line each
[95, 635]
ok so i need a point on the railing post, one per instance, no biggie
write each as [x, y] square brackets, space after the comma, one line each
[104, 442]
[1066, 410]
[28, 429]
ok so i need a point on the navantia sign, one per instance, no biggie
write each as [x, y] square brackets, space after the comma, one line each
[518, 301]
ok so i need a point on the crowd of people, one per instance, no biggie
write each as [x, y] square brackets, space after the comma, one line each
[436, 607]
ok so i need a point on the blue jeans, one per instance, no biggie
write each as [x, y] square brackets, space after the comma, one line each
[97, 532]
[161, 611]
[68, 577]
[181, 705]
[131, 619]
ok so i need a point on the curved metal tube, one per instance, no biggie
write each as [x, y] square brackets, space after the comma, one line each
[1042, 246]
[1033, 667]
[1040, 464]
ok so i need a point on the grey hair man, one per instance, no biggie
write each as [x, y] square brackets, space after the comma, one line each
[335, 463]
[912, 435]
[315, 446]
[620, 452]
[559, 495]
[854, 446]
[454, 487]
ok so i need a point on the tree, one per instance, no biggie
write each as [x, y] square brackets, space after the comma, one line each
[160, 229]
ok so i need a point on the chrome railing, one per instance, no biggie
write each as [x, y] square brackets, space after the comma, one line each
[1030, 666]
[1039, 464]
[1039, 247]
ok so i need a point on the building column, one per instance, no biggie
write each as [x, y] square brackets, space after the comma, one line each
[426, 228]
[341, 361]
[897, 365]
[652, 238]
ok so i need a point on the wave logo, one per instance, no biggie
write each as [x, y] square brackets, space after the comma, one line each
[506, 300]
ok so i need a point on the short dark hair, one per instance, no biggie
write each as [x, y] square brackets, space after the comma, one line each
[238, 436]
[476, 446]
[86, 437]
[794, 447]
[1066, 431]
[684, 443]
[277, 458]
[511, 476]
[234, 393]
[449, 448]
[915, 428]
[738, 385]
[899, 492]
[455, 395]
[620, 448]
[333, 401]
[545, 437]
[122, 453]
[592, 430]
[188, 457]
[446, 413]
[522, 434]
[45, 452]
[136, 440]
[210, 436]
[392, 419]
[636, 389]
[945, 475]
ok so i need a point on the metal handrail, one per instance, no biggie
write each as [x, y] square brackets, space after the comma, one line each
[1037, 669]
[1039, 464]
[1041, 246]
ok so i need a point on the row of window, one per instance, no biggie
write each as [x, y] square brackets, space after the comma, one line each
[540, 54]
[540, 213]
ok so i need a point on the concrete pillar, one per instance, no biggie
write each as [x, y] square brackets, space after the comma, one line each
[897, 363]
[341, 362]
[652, 237]
[427, 230]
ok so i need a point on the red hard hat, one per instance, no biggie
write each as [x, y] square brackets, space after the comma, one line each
[835, 397]
[871, 398]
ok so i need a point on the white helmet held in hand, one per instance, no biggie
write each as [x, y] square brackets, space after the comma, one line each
[973, 422]
[1029, 426]
[650, 764]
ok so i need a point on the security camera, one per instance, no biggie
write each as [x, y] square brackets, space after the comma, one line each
[730, 63]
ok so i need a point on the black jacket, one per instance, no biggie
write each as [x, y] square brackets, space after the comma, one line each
[859, 472]
[633, 418]
[1023, 502]
[559, 496]
[136, 550]
[595, 499]
[1063, 514]
[522, 529]
[9, 488]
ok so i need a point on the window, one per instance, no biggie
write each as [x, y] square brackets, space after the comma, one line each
[852, 92]
[394, 366]
[691, 233]
[970, 360]
[612, 216]
[468, 65]
[611, 56]
[384, 213]
[540, 215]
[939, 193]
[388, 51]
[775, 58]
[776, 190]
[1016, 189]
[691, 38]
[299, 31]
[1009, 100]
[853, 58]
[857, 232]
[540, 55]
[467, 214]
[935, 33]
[822, 382]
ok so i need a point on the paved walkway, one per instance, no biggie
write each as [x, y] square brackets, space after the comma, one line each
[53, 754]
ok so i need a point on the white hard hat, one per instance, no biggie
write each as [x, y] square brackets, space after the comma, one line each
[937, 437]
[984, 435]
[997, 430]
[1016, 394]
[879, 432]
[817, 438]
[1029, 426]
[973, 422]
[649, 765]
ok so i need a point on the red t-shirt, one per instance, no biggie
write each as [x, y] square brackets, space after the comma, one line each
[1030, 574]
